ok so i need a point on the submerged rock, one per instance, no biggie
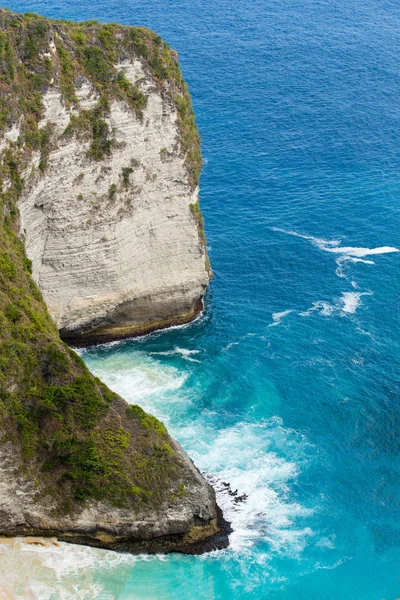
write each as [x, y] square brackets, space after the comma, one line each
[99, 165]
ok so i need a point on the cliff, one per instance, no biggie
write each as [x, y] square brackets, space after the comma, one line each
[99, 166]
[109, 210]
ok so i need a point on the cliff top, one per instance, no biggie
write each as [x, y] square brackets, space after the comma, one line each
[84, 50]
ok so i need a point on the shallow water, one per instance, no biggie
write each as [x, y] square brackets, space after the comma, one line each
[288, 386]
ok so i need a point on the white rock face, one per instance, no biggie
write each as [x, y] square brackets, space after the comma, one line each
[115, 263]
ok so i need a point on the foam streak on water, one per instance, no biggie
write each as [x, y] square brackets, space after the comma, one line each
[347, 253]
[277, 317]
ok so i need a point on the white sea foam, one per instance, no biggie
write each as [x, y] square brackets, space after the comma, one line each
[363, 332]
[355, 253]
[139, 378]
[350, 301]
[246, 455]
[346, 304]
[238, 341]
[324, 308]
[277, 317]
[343, 259]
[230, 345]
[184, 352]
[346, 253]
[327, 542]
[338, 563]
[35, 573]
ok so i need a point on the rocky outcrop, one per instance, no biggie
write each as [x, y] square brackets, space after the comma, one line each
[186, 519]
[115, 242]
[99, 165]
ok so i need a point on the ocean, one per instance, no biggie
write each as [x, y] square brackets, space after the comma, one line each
[288, 385]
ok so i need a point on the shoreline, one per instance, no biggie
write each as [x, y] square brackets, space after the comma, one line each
[199, 540]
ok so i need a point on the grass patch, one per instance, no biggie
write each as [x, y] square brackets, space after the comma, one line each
[148, 422]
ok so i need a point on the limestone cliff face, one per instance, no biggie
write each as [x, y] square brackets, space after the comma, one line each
[99, 165]
[114, 239]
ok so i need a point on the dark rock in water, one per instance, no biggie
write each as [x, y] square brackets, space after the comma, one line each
[241, 498]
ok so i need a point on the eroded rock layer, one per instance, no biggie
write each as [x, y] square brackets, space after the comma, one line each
[110, 214]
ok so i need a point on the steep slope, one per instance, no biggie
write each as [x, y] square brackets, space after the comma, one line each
[109, 209]
[76, 460]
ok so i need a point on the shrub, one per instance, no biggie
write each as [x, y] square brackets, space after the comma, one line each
[96, 64]
[112, 190]
[148, 422]
[126, 173]
[12, 312]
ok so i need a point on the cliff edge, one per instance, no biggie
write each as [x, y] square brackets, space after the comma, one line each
[99, 162]
[109, 210]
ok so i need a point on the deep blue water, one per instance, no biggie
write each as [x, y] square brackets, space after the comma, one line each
[298, 108]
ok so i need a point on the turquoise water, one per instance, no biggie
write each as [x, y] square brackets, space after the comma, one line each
[288, 386]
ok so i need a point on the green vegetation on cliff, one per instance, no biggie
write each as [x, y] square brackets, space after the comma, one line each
[36, 52]
[69, 431]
